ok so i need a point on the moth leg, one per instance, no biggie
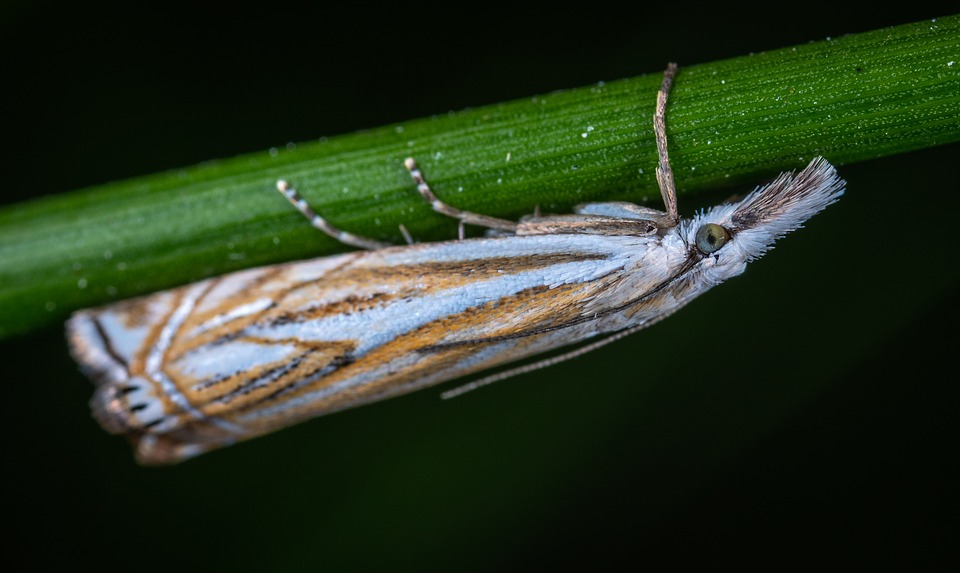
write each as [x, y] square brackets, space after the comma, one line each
[441, 207]
[406, 235]
[322, 224]
[668, 188]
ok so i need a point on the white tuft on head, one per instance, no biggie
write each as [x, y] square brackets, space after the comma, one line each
[765, 215]
[775, 209]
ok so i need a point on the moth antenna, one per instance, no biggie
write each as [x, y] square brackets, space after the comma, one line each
[487, 380]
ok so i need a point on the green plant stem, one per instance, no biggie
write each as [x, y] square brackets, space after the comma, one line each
[739, 120]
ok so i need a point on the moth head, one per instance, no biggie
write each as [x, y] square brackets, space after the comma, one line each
[734, 234]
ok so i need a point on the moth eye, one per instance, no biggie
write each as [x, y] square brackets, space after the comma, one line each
[711, 237]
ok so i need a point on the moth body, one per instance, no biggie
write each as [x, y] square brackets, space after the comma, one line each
[199, 367]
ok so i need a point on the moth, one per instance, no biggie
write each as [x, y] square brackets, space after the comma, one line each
[195, 368]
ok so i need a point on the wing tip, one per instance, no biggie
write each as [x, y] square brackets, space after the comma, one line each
[90, 349]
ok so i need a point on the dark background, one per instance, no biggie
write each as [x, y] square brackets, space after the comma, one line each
[802, 414]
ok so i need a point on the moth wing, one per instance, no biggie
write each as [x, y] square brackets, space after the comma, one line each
[192, 369]
[150, 380]
[620, 210]
[424, 314]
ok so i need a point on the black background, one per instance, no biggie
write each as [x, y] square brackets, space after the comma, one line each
[812, 422]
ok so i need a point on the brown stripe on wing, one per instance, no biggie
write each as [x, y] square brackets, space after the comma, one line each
[349, 304]
[106, 342]
[350, 277]
[134, 313]
[246, 389]
[250, 292]
[323, 363]
[534, 306]
[441, 275]
[500, 265]
[634, 306]
[298, 302]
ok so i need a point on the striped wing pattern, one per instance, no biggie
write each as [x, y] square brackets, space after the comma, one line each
[202, 366]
